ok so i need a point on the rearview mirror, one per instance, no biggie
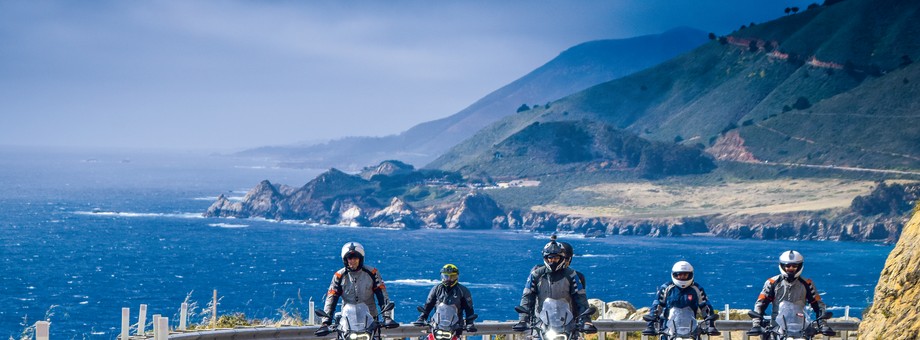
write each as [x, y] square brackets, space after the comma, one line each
[388, 307]
[320, 313]
[420, 309]
[826, 315]
[589, 311]
[754, 315]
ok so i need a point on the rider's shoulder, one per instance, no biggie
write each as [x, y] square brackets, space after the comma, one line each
[538, 269]
[774, 279]
[369, 269]
[338, 273]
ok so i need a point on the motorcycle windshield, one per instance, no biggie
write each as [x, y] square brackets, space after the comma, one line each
[356, 318]
[446, 317]
[681, 322]
[557, 315]
[791, 319]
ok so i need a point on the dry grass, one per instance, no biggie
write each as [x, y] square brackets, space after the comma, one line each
[655, 200]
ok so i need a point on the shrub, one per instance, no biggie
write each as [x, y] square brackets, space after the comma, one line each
[523, 108]
[801, 103]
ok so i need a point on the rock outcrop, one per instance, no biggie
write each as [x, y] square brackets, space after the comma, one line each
[398, 215]
[894, 313]
[476, 211]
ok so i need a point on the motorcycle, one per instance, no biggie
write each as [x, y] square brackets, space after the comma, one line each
[681, 324]
[556, 321]
[792, 323]
[446, 324]
[355, 322]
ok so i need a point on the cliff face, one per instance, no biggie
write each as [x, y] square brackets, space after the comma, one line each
[895, 312]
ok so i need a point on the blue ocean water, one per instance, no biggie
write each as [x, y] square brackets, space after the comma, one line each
[83, 234]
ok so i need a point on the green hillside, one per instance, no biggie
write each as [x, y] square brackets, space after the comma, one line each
[833, 85]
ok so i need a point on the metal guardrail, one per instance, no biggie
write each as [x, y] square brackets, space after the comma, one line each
[486, 330]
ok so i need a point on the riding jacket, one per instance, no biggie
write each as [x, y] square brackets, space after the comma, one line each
[564, 284]
[671, 296]
[356, 286]
[456, 295]
[798, 291]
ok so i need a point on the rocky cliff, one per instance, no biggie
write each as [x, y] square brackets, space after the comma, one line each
[895, 313]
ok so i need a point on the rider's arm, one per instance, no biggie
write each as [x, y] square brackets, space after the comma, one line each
[529, 297]
[466, 301]
[767, 295]
[380, 290]
[430, 302]
[577, 289]
[813, 298]
[703, 302]
[332, 295]
[659, 303]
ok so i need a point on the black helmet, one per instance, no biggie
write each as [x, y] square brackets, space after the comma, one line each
[569, 253]
[450, 275]
[554, 249]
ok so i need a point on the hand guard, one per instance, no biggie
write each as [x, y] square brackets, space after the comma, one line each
[588, 328]
[388, 323]
[470, 327]
[322, 331]
[520, 326]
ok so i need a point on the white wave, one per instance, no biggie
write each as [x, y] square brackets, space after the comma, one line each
[852, 285]
[429, 283]
[228, 225]
[137, 214]
[214, 198]
[596, 255]
[414, 282]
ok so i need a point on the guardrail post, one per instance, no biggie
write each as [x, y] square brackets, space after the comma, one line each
[142, 319]
[644, 337]
[42, 330]
[310, 312]
[156, 321]
[214, 311]
[727, 312]
[744, 335]
[183, 316]
[162, 328]
[622, 335]
[125, 322]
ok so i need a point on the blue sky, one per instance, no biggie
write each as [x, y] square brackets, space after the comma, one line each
[227, 75]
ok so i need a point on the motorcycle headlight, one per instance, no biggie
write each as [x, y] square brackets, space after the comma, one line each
[442, 335]
[552, 335]
[359, 336]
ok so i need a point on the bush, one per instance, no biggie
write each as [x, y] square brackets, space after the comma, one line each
[801, 103]
[523, 108]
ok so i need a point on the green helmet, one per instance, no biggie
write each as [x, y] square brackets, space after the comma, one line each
[450, 274]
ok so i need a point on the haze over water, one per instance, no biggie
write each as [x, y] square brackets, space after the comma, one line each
[84, 234]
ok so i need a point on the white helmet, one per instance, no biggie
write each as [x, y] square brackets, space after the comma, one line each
[353, 248]
[682, 267]
[791, 257]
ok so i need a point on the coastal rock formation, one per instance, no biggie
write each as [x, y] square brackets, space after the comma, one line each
[397, 215]
[387, 168]
[894, 313]
[476, 211]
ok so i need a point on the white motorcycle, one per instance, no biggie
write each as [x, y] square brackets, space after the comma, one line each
[792, 323]
[556, 321]
[681, 324]
[355, 322]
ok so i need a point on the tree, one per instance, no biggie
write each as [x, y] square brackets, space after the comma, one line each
[795, 10]
[801, 103]
[712, 36]
[523, 108]
[753, 45]
[787, 10]
[813, 6]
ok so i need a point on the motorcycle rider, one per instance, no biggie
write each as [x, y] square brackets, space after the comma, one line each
[450, 292]
[790, 286]
[356, 283]
[554, 279]
[681, 292]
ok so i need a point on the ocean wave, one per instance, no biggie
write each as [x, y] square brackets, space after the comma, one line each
[228, 225]
[136, 214]
[214, 198]
[597, 255]
[429, 283]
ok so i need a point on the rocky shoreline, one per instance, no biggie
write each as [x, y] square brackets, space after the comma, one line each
[478, 211]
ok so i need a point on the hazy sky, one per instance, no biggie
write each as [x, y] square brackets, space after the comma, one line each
[226, 75]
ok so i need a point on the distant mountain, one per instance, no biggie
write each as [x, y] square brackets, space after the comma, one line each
[573, 70]
[585, 147]
[833, 85]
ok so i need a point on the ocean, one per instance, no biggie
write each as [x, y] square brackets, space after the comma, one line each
[87, 233]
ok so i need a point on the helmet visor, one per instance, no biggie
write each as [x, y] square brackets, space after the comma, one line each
[449, 277]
